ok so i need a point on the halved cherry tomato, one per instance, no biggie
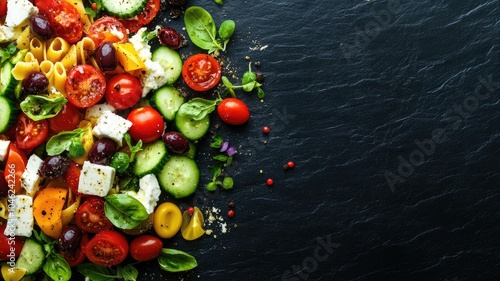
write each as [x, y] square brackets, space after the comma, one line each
[233, 111]
[192, 225]
[14, 167]
[167, 220]
[47, 210]
[29, 133]
[123, 91]
[72, 176]
[145, 247]
[7, 244]
[90, 216]
[63, 17]
[3, 8]
[146, 16]
[147, 124]
[85, 85]
[201, 72]
[107, 248]
[78, 256]
[66, 120]
[107, 30]
[12, 273]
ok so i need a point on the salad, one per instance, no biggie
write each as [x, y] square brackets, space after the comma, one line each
[95, 132]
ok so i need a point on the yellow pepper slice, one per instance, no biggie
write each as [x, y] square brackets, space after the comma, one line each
[47, 210]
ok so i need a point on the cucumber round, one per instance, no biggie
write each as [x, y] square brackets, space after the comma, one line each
[8, 114]
[7, 81]
[171, 62]
[151, 158]
[180, 176]
[124, 9]
[192, 129]
[167, 101]
[31, 257]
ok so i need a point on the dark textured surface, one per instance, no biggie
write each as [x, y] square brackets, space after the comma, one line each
[359, 92]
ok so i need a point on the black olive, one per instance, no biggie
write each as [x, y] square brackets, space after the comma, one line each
[34, 83]
[54, 166]
[106, 57]
[102, 151]
[41, 26]
[69, 239]
[176, 142]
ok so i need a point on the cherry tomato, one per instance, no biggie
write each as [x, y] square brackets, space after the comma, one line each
[147, 124]
[146, 16]
[167, 220]
[107, 248]
[7, 243]
[107, 30]
[90, 216]
[123, 91]
[192, 225]
[64, 19]
[78, 256]
[3, 8]
[233, 111]
[85, 85]
[29, 133]
[201, 72]
[66, 120]
[72, 176]
[145, 247]
[14, 167]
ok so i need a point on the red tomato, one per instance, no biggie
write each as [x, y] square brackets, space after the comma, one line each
[233, 111]
[90, 216]
[78, 256]
[201, 72]
[147, 124]
[145, 247]
[7, 243]
[63, 17]
[72, 176]
[123, 91]
[146, 16]
[107, 30]
[3, 8]
[29, 133]
[85, 85]
[66, 120]
[107, 248]
[14, 167]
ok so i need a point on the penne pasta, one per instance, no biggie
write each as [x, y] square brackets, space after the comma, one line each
[70, 59]
[57, 49]
[37, 48]
[23, 68]
[84, 50]
[59, 78]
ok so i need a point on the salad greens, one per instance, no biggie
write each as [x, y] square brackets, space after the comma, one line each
[55, 266]
[124, 211]
[100, 273]
[223, 160]
[198, 108]
[249, 83]
[39, 107]
[70, 141]
[121, 161]
[201, 28]
[172, 260]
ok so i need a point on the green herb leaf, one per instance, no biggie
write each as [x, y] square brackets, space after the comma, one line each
[260, 93]
[95, 272]
[61, 142]
[39, 107]
[124, 211]
[221, 158]
[201, 28]
[129, 183]
[57, 268]
[172, 260]
[198, 108]
[226, 30]
[7, 52]
[227, 183]
[211, 186]
[220, 2]
[216, 141]
[127, 272]
[120, 161]
[76, 148]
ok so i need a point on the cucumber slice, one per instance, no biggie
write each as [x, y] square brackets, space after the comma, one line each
[192, 150]
[171, 62]
[180, 176]
[167, 100]
[8, 114]
[31, 257]
[7, 81]
[192, 129]
[124, 9]
[151, 158]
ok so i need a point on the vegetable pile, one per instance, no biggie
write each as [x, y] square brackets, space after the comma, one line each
[97, 128]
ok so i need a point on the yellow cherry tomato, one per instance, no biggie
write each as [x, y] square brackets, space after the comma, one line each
[192, 225]
[12, 273]
[167, 220]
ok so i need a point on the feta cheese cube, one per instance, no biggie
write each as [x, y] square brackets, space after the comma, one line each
[94, 112]
[20, 221]
[4, 149]
[18, 14]
[96, 179]
[149, 192]
[110, 125]
[30, 179]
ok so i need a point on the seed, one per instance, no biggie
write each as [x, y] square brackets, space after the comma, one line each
[231, 204]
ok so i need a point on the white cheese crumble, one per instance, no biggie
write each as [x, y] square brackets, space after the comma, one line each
[4, 149]
[96, 179]
[94, 112]
[18, 14]
[22, 222]
[110, 125]
[30, 179]
[149, 192]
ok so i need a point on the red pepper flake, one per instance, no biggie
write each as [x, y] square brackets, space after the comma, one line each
[190, 211]
[266, 130]
[269, 182]
[289, 165]
[230, 213]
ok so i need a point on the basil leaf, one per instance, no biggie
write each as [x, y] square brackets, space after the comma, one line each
[61, 142]
[226, 30]
[198, 108]
[39, 107]
[95, 272]
[128, 272]
[248, 77]
[201, 29]
[124, 211]
[57, 268]
[248, 87]
[172, 260]
[220, 157]
[120, 161]
[260, 93]
[227, 183]
[76, 148]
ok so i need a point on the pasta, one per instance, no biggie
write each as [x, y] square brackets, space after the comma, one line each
[23, 68]
[56, 49]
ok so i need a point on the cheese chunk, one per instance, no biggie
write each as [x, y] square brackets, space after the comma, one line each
[94, 112]
[110, 125]
[149, 192]
[30, 179]
[96, 179]
[18, 14]
[4, 149]
[20, 221]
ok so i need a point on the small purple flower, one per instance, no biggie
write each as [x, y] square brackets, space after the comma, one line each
[224, 145]
[231, 151]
